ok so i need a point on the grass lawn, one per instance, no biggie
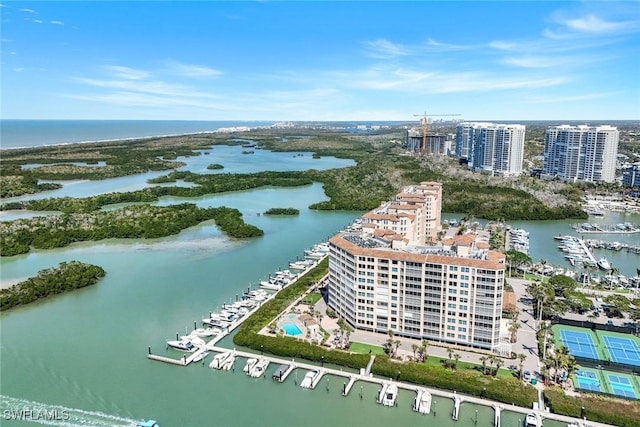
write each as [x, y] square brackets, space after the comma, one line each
[361, 348]
[312, 298]
[502, 372]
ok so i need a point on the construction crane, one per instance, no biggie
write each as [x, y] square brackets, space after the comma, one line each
[424, 125]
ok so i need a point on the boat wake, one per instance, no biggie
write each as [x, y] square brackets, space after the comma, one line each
[14, 409]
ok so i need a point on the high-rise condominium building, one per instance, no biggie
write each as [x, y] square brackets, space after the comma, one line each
[581, 153]
[395, 273]
[493, 148]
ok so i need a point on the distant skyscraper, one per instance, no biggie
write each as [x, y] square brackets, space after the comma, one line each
[581, 153]
[631, 176]
[494, 148]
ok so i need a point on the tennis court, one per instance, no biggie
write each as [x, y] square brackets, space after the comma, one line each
[585, 379]
[621, 385]
[622, 350]
[580, 344]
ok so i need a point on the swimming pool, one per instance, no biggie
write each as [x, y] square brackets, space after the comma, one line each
[291, 328]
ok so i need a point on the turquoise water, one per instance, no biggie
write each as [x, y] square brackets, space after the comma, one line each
[86, 351]
[291, 328]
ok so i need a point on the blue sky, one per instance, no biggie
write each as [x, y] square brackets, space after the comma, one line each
[358, 60]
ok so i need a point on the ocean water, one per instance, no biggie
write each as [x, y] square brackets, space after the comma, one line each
[32, 133]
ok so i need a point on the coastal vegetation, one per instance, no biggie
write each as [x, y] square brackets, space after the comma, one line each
[381, 170]
[66, 277]
[508, 390]
[282, 211]
[132, 222]
[215, 166]
[596, 408]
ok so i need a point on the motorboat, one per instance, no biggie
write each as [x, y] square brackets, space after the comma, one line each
[604, 264]
[249, 365]
[200, 356]
[422, 403]
[182, 345]
[532, 420]
[148, 423]
[390, 395]
[259, 368]
[206, 332]
[229, 362]
[218, 360]
[307, 381]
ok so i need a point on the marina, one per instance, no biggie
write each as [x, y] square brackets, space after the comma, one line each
[387, 394]
[193, 272]
[594, 228]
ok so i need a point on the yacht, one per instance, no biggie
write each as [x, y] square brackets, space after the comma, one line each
[182, 345]
[422, 403]
[390, 395]
[308, 379]
[604, 264]
[206, 332]
[259, 368]
[249, 365]
[218, 360]
[532, 420]
[200, 356]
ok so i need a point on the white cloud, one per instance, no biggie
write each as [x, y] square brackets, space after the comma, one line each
[594, 24]
[381, 48]
[56, 22]
[126, 72]
[189, 70]
[38, 21]
[28, 10]
[534, 61]
[503, 45]
[412, 81]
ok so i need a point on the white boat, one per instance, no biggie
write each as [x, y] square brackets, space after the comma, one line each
[308, 379]
[422, 403]
[249, 365]
[200, 356]
[532, 420]
[604, 264]
[206, 332]
[259, 368]
[229, 362]
[390, 395]
[218, 360]
[182, 345]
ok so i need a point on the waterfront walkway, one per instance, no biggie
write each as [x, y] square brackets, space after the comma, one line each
[352, 377]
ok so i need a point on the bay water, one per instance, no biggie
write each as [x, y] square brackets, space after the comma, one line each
[85, 351]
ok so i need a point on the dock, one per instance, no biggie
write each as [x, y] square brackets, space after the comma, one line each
[348, 386]
[349, 377]
[283, 372]
[587, 251]
[497, 409]
[457, 400]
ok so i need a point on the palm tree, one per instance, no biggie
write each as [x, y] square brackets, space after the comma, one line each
[449, 352]
[456, 357]
[499, 363]
[492, 360]
[521, 358]
[483, 360]
[414, 347]
[396, 343]
[423, 350]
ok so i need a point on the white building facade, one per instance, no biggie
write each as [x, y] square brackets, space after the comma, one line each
[581, 153]
[497, 149]
[382, 279]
